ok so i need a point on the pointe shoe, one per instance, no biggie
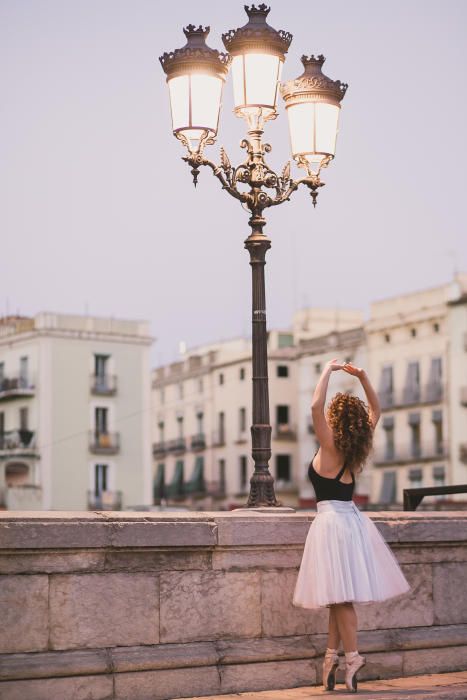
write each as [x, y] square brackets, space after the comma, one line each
[351, 669]
[330, 664]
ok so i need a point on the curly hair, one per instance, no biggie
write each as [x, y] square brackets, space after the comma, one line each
[352, 430]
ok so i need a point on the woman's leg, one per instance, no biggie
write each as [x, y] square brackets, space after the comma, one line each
[334, 637]
[346, 621]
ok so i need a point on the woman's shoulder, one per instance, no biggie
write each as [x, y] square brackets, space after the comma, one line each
[327, 462]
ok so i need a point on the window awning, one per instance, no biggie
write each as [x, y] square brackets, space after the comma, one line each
[159, 482]
[175, 488]
[196, 483]
[388, 488]
[414, 419]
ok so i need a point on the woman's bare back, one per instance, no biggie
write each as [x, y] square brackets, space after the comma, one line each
[328, 462]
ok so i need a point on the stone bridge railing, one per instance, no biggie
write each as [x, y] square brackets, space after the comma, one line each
[98, 606]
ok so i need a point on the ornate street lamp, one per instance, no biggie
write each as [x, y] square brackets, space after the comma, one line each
[195, 76]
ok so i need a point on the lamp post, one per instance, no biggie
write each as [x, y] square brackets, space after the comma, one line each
[195, 77]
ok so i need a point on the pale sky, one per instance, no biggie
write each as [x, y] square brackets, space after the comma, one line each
[98, 212]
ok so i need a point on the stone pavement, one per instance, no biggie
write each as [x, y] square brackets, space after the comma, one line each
[440, 686]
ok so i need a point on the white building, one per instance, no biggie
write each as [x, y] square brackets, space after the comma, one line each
[202, 418]
[74, 412]
[417, 355]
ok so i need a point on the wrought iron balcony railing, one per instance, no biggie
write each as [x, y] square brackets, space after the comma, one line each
[104, 443]
[410, 453]
[18, 441]
[159, 449]
[12, 387]
[198, 442]
[177, 446]
[433, 392]
[105, 500]
[104, 385]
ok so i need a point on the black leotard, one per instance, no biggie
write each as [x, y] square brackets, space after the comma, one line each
[330, 488]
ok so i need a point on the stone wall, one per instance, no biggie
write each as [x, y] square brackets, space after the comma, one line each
[127, 606]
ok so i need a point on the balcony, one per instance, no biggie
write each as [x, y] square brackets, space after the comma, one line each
[177, 446]
[406, 454]
[198, 442]
[218, 438]
[104, 443]
[463, 395]
[159, 449]
[285, 431]
[433, 392]
[19, 443]
[103, 385]
[105, 500]
[15, 387]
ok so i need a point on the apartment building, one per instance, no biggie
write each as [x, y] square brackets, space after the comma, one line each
[202, 418]
[74, 413]
[416, 346]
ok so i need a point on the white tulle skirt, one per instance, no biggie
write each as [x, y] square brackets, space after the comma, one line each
[346, 559]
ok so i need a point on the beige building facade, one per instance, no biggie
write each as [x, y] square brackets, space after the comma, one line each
[74, 413]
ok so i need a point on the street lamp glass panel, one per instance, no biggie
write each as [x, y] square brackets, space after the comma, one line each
[195, 101]
[255, 80]
[313, 129]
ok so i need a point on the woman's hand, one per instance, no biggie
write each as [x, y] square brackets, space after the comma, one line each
[351, 369]
[334, 365]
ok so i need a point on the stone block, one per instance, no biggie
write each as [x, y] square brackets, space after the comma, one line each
[54, 663]
[258, 558]
[449, 593]
[100, 610]
[279, 616]
[74, 688]
[165, 560]
[262, 531]
[443, 660]
[199, 605]
[23, 613]
[433, 529]
[50, 562]
[410, 610]
[238, 651]
[240, 678]
[54, 534]
[164, 534]
[163, 656]
[160, 685]
[427, 554]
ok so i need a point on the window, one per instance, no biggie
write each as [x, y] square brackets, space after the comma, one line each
[412, 383]
[243, 473]
[221, 427]
[415, 446]
[282, 415]
[283, 467]
[285, 340]
[180, 426]
[317, 367]
[386, 387]
[2, 373]
[2, 423]
[242, 420]
[436, 327]
[388, 427]
[23, 418]
[242, 373]
[160, 425]
[282, 371]
[222, 475]
[100, 365]
[23, 370]
[415, 478]
[439, 479]
[199, 422]
[101, 420]
[221, 378]
[437, 419]
[388, 488]
[435, 383]
[387, 338]
[100, 479]
[413, 332]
